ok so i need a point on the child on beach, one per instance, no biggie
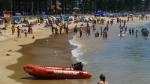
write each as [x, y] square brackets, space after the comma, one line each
[13, 29]
[102, 79]
[25, 33]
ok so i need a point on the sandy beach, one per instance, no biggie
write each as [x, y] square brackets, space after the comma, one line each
[53, 51]
[15, 53]
[9, 53]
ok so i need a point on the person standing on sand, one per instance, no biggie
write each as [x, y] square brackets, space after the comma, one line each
[18, 32]
[29, 29]
[13, 29]
[60, 29]
[25, 33]
[102, 79]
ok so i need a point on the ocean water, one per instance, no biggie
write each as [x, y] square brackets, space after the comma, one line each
[123, 60]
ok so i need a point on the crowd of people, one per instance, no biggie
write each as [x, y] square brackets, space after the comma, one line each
[87, 27]
[105, 25]
[19, 30]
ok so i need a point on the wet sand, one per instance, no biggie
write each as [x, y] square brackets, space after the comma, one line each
[50, 51]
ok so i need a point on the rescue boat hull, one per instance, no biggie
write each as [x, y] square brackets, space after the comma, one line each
[56, 72]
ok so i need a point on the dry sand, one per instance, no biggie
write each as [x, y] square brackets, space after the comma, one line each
[9, 55]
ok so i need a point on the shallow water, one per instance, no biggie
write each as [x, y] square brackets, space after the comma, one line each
[123, 60]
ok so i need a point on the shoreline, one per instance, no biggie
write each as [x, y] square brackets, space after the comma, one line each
[51, 52]
[21, 77]
[9, 53]
[62, 58]
[75, 52]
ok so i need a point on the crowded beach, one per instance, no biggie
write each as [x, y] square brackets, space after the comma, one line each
[23, 30]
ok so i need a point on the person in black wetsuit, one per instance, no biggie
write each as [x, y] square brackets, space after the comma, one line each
[78, 66]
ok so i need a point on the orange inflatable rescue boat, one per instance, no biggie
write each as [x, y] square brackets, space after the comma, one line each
[54, 72]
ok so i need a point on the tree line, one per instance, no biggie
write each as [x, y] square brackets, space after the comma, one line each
[117, 5]
[90, 5]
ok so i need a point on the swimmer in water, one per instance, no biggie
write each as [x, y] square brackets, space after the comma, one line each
[102, 79]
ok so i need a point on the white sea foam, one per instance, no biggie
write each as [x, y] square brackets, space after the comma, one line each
[77, 52]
